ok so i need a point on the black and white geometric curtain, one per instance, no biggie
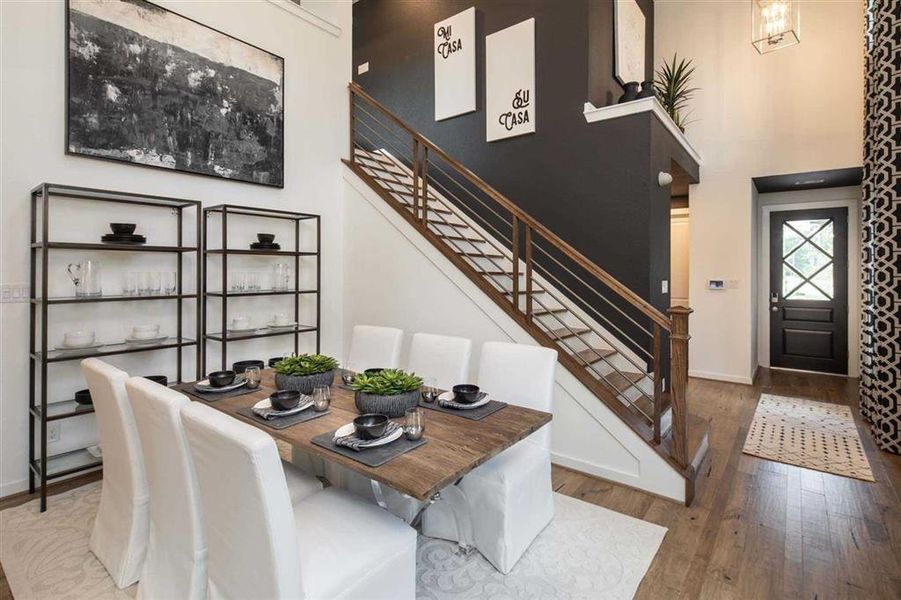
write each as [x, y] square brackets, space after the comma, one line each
[880, 369]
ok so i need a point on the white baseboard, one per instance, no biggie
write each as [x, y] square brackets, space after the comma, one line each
[612, 475]
[721, 377]
[13, 487]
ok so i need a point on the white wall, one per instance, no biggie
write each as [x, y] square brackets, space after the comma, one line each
[394, 277]
[798, 109]
[317, 69]
[679, 248]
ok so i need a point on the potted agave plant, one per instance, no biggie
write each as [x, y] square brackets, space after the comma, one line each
[388, 392]
[303, 373]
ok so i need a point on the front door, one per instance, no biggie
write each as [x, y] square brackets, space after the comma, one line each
[809, 290]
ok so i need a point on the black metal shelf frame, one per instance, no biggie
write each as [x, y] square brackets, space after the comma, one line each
[225, 211]
[42, 467]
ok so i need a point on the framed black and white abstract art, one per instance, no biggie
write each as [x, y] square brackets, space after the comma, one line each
[148, 86]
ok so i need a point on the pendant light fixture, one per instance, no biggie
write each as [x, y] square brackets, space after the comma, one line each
[775, 24]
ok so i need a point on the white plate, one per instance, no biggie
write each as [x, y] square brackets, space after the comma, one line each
[349, 429]
[265, 403]
[243, 330]
[450, 396]
[282, 326]
[88, 347]
[204, 386]
[95, 451]
[153, 340]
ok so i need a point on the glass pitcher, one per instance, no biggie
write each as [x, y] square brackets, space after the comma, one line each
[86, 277]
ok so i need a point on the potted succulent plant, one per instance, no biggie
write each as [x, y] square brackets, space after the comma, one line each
[303, 373]
[388, 392]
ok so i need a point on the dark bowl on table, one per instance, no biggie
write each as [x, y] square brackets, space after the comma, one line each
[284, 399]
[160, 379]
[123, 228]
[374, 370]
[266, 238]
[242, 365]
[222, 378]
[466, 393]
[84, 397]
[274, 360]
[370, 426]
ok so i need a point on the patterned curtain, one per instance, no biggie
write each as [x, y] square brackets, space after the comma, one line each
[880, 377]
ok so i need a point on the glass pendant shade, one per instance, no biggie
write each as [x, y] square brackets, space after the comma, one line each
[775, 24]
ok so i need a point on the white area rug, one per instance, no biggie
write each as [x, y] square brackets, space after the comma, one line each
[587, 552]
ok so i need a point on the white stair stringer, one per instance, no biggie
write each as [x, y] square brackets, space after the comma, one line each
[616, 364]
[587, 435]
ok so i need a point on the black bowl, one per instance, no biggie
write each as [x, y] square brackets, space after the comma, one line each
[160, 379]
[123, 228]
[374, 370]
[222, 378]
[284, 399]
[266, 238]
[274, 360]
[242, 365]
[370, 426]
[84, 397]
[466, 393]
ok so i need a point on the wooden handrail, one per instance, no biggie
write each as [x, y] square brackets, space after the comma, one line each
[621, 290]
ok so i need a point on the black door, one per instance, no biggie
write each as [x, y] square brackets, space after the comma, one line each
[809, 290]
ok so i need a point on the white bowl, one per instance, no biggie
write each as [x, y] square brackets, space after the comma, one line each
[145, 332]
[78, 339]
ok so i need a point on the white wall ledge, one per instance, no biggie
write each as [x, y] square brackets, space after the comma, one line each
[652, 105]
[308, 16]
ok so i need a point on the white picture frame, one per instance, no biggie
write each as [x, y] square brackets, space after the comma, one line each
[455, 65]
[629, 33]
[510, 81]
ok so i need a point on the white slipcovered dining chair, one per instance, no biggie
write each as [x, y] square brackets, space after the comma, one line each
[510, 497]
[444, 358]
[372, 347]
[329, 545]
[119, 538]
[175, 565]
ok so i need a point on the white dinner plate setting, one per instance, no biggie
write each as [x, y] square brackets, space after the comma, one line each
[92, 346]
[449, 397]
[281, 325]
[204, 386]
[265, 404]
[153, 340]
[348, 429]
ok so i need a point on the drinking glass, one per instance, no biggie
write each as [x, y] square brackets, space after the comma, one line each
[130, 285]
[429, 391]
[347, 376]
[144, 284]
[321, 398]
[253, 282]
[169, 282]
[238, 281]
[414, 423]
[252, 378]
[155, 283]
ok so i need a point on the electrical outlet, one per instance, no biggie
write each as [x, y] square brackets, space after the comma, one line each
[52, 432]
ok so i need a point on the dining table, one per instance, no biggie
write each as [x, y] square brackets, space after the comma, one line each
[454, 445]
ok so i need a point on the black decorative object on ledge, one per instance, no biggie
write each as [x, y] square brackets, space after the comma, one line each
[631, 92]
[647, 89]
[148, 86]
[42, 467]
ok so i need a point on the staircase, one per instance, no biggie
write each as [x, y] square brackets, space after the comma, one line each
[632, 357]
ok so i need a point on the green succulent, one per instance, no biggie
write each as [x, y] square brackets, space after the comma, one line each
[389, 382]
[306, 364]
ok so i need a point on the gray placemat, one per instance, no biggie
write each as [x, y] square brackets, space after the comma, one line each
[283, 422]
[188, 388]
[473, 414]
[371, 457]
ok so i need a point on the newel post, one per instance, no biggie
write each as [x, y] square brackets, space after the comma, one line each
[679, 380]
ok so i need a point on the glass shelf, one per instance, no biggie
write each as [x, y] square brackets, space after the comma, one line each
[67, 463]
[261, 293]
[113, 247]
[263, 252]
[87, 299]
[110, 349]
[63, 410]
[261, 333]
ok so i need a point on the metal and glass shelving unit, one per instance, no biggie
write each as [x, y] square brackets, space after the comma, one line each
[44, 468]
[221, 335]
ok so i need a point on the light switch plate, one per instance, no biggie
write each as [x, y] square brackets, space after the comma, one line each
[664, 286]
[363, 68]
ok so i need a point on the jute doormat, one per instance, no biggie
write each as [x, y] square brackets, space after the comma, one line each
[806, 433]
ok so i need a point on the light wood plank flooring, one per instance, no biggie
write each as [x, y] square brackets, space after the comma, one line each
[758, 529]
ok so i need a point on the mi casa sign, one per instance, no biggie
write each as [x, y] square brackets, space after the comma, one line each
[455, 65]
[510, 81]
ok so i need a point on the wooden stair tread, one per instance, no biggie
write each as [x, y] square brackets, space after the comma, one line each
[432, 209]
[541, 312]
[523, 292]
[622, 381]
[461, 238]
[589, 356]
[475, 254]
[562, 333]
[495, 272]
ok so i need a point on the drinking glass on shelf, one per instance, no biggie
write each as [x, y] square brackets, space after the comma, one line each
[252, 377]
[155, 283]
[414, 423]
[321, 398]
[144, 283]
[130, 284]
[429, 390]
[253, 281]
[169, 282]
[238, 281]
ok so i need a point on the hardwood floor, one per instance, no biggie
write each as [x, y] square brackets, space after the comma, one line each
[761, 529]
[757, 529]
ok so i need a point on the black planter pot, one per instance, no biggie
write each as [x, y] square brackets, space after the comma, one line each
[647, 90]
[304, 383]
[393, 406]
[631, 92]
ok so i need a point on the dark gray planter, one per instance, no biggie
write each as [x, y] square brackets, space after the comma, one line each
[393, 406]
[304, 383]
